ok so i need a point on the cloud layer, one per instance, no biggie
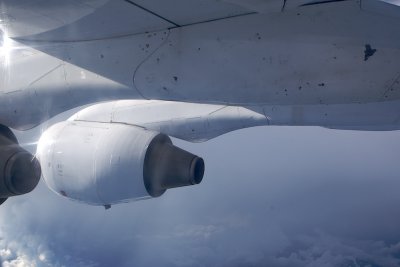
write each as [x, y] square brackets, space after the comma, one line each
[270, 197]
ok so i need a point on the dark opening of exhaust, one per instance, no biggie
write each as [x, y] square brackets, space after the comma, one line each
[19, 170]
[22, 173]
[198, 170]
[167, 166]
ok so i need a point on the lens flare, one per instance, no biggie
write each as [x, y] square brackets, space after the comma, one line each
[5, 49]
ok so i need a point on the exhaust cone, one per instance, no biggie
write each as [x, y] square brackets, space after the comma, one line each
[167, 166]
[20, 170]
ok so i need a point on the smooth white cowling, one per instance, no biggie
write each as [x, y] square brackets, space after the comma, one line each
[109, 163]
[191, 122]
[95, 163]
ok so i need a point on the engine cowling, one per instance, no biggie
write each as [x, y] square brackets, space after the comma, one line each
[109, 163]
[19, 169]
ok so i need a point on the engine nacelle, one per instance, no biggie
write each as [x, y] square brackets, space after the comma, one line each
[19, 170]
[108, 163]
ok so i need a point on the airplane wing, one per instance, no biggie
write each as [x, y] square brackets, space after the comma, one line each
[63, 74]
[73, 20]
[303, 67]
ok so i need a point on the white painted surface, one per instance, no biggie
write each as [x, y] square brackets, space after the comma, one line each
[95, 163]
[300, 57]
[187, 121]
[312, 59]
[72, 20]
[28, 17]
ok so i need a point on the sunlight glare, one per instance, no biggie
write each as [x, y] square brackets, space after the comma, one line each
[5, 49]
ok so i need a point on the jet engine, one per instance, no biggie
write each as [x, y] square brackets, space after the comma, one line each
[19, 170]
[108, 163]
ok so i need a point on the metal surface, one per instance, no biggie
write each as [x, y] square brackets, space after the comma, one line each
[187, 121]
[308, 57]
[109, 163]
[187, 68]
[19, 170]
[167, 166]
[72, 20]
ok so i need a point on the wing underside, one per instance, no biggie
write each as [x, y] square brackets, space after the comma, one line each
[73, 20]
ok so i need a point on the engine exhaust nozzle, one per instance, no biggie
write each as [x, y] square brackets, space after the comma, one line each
[167, 166]
[19, 170]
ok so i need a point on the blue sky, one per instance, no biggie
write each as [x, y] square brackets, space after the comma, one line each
[271, 196]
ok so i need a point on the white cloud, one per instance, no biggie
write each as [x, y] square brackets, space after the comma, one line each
[196, 231]
[259, 207]
[321, 249]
